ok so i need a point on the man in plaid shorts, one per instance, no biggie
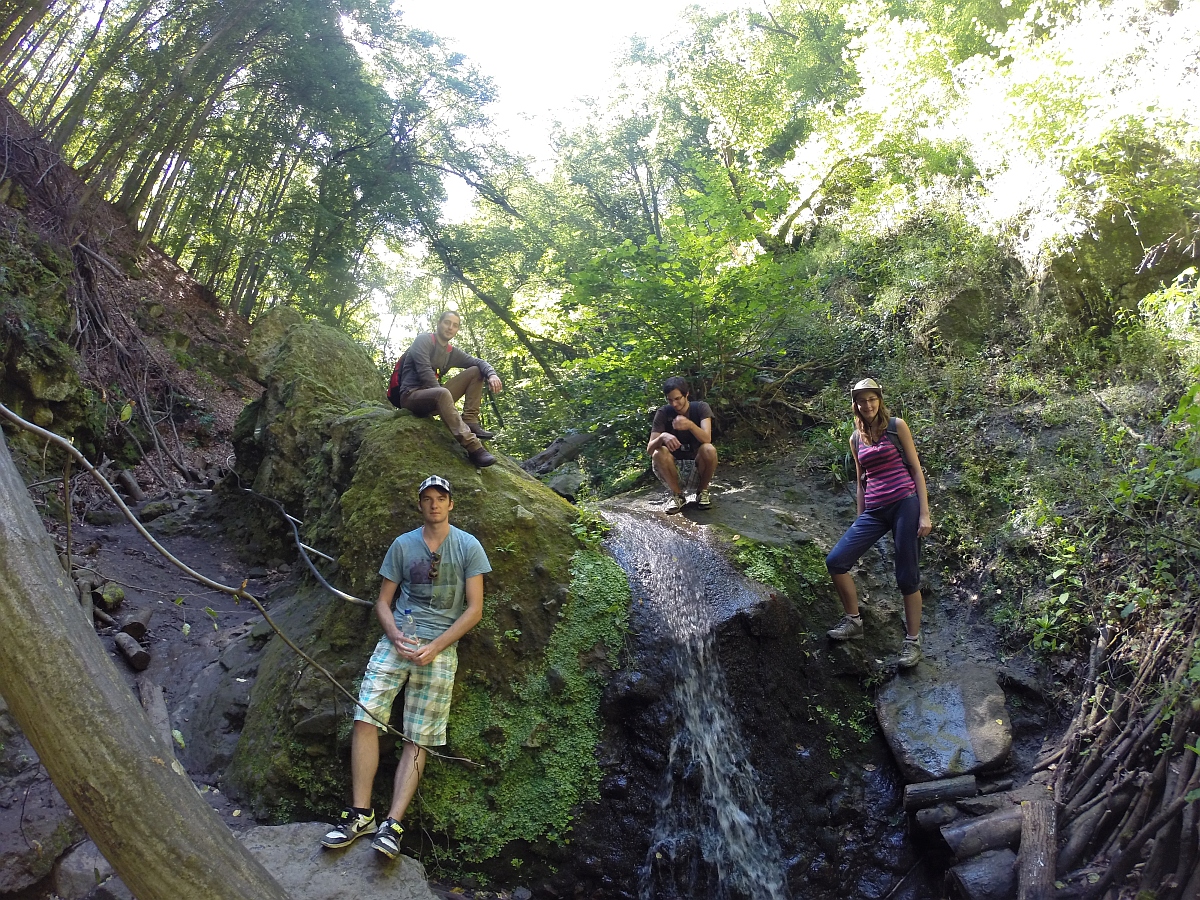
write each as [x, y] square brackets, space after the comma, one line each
[681, 448]
[439, 570]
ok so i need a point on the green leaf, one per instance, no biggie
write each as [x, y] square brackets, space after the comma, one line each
[1057, 574]
[178, 735]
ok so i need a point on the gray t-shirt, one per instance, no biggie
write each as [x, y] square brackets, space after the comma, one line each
[435, 603]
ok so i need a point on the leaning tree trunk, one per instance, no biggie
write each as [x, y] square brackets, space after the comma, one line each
[116, 774]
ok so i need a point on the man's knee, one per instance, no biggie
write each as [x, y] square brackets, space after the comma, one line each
[364, 730]
[663, 460]
[707, 454]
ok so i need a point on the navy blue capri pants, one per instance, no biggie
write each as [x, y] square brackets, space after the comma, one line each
[901, 519]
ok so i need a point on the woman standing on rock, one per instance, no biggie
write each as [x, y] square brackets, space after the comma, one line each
[891, 497]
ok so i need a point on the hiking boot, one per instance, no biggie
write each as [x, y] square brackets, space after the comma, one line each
[703, 500]
[910, 652]
[480, 458]
[387, 838]
[479, 431]
[350, 827]
[675, 504]
[847, 630]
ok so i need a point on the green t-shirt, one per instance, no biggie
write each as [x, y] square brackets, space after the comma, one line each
[435, 603]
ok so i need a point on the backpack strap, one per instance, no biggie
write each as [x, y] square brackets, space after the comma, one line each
[893, 435]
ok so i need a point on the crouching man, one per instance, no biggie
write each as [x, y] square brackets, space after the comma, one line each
[439, 571]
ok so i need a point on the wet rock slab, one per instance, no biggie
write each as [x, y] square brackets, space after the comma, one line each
[307, 871]
[294, 856]
[945, 723]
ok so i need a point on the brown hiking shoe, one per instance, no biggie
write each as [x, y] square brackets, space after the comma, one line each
[479, 431]
[481, 458]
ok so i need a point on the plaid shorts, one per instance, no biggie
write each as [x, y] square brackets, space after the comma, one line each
[427, 692]
[689, 476]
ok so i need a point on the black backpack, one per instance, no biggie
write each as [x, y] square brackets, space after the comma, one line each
[894, 437]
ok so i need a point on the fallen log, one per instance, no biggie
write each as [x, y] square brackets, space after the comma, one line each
[1035, 864]
[933, 818]
[989, 876]
[137, 624]
[130, 486]
[928, 793]
[103, 618]
[154, 702]
[135, 654]
[991, 832]
[83, 588]
[561, 450]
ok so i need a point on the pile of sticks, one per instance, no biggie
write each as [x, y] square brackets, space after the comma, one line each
[1126, 778]
[1111, 813]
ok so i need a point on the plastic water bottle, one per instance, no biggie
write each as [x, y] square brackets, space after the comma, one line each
[408, 628]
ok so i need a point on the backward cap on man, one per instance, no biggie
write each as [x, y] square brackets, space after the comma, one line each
[436, 481]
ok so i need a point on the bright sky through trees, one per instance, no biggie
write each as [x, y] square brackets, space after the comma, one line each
[543, 54]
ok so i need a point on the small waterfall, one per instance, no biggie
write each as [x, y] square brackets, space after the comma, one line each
[712, 836]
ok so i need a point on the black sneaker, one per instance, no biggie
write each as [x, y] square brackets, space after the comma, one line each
[387, 838]
[350, 827]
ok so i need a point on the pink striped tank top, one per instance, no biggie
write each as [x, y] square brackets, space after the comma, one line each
[885, 472]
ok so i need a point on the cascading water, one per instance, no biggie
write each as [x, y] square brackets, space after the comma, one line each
[712, 836]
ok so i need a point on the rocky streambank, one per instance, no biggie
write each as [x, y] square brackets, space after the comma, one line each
[578, 768]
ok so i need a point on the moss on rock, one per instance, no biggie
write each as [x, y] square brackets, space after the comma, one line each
[40, 381]
[527, 695]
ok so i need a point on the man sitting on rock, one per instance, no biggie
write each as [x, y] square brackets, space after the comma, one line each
[681, 448]
[439, 570]
[421, 390]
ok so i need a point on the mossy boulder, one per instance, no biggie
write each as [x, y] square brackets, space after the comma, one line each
[530, 674]
[267, 335]
[40, 381]
[1145, 201]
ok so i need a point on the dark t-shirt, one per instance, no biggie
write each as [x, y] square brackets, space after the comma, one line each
[698, 411]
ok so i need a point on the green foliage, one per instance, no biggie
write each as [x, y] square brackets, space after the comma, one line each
[590, 528]
[512, 793]
[798, 572]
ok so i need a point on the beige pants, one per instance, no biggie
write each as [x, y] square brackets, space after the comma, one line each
[441, 400]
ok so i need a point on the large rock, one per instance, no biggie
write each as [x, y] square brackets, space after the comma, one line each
[293, 854]
[1130, 246]
[530, 675]
[36, 825]
[80, 870]
[267, 335]
[294, 857]
[941, 724]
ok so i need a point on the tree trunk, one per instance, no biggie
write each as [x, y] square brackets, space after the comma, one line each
[928, 793]
[1039, 838]
[93, 737]
[33, 14]
[561, 450]
[989, 876]
[990, 832]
